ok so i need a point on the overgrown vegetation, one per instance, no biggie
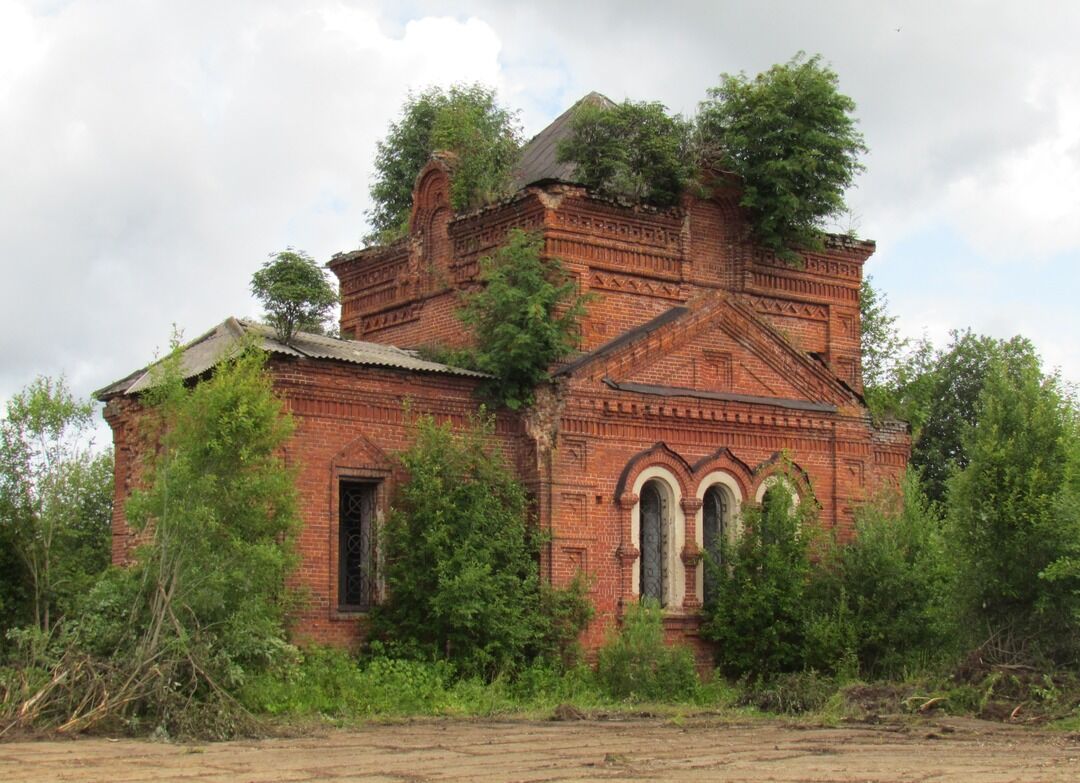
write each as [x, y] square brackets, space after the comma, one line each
[758, 615]
[633, 150]
[790, 135]
[164, 643]
[524, 317]
[467, 121]
[460, 562]
[55, 505]
[295, 294]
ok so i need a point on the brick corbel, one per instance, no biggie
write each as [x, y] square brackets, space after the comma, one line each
[627, 553]
[690, 506]
[628, 499]
[691, 554]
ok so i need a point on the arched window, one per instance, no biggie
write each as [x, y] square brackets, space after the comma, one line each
[654, 541]
[717, 506]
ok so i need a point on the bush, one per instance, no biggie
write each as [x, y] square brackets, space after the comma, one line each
[894, 581]
[759, 616]
[636, 665]
[461, 578]
[790, 135]
[789, 694]
[163, 643]
[632, 150]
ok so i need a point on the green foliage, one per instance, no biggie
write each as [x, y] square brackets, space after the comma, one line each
[636, 665]
[55, 502]
[759, 615]
[221, 506]
[790, 135]
[465, 120]
[633, 150]
[294, 293]
[894, 580]
[566, 612]
[882, 350]
[525, 317]
[460, 573]
[1011, 511]
[950, 398]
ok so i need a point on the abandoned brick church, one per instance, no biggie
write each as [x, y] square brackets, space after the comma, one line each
[704, 359]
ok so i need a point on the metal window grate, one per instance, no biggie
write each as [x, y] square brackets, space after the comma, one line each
[356, 518]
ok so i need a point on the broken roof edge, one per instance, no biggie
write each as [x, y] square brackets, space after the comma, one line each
[214, 346]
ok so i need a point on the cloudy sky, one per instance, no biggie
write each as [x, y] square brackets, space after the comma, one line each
[153, 154]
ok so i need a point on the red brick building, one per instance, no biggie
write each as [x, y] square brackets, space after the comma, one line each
[704, 358]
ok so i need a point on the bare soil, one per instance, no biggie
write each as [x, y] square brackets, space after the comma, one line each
[699, 749]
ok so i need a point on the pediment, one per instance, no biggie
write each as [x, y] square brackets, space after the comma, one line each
[718, 348]
[362, 454]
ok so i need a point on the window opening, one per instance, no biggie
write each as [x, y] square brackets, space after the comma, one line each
[356, 526]
[716, 519]
[653, 542]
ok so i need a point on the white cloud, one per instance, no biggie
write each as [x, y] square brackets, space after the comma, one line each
[155, 153]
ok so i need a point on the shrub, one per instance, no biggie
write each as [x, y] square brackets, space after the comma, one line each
[789, 694]
[893, 578]
[461, 578]
[636, 665]
[759, 615]
[1012, 512]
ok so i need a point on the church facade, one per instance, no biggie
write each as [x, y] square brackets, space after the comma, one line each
[707, 365]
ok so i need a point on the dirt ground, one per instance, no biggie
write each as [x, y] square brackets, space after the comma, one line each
[623, 750]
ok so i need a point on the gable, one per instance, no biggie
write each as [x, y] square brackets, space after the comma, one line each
[718, 348]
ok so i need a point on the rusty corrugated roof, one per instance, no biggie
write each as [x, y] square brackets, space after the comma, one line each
[204, 352]
[539, 158]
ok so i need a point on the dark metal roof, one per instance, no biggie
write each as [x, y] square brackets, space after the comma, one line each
[627, 337]
[539, 158]
[204, 352]
[753, 399]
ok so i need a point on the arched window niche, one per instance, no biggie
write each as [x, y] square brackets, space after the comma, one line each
[658, 529]
[717, 519]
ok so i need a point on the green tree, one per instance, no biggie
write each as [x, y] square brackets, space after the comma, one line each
[758, 615]
[524, 318]
[881, 343]
[946, 398]
[465, 120]
[789, 133]
[55, 496]
[1005, 508]
[895, 580]
[294, 293]
[220, 509]
[633, 150]
[461, 578]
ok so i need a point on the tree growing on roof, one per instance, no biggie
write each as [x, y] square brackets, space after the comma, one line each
[525, 318]
[294, 293]
[465, 120]
[789, 133]
[633, 150]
